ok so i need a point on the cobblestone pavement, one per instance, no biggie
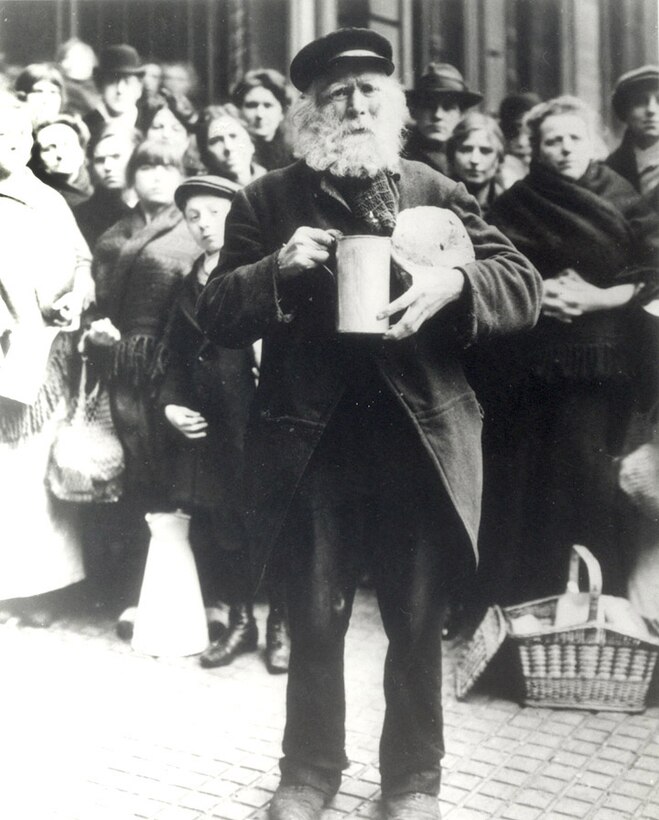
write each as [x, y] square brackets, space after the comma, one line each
[91, 730]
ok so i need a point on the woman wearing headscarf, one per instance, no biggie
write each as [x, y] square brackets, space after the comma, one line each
[571, 382]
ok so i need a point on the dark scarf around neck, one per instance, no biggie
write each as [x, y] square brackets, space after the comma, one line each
[371, 200]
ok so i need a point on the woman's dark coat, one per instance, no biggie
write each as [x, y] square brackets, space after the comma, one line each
[138, 267]
[623, 161]
[219, 384]
[560, 396]
[303, 364]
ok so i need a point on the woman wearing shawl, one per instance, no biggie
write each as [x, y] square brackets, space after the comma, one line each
[44, 284]
[570, 381]
[138, 265]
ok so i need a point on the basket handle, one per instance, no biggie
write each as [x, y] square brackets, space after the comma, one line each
[581, 553]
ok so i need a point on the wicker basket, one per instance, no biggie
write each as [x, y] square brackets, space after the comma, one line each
[587, 666]
[475, 655]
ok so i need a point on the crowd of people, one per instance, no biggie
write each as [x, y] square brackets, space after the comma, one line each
[116, 184]
[145, 175]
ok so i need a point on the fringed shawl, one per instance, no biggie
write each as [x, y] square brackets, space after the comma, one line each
[137, 267]
[38, 266]
[597, 225]
[20, 421]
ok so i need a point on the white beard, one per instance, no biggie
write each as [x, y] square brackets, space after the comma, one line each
[326, 143]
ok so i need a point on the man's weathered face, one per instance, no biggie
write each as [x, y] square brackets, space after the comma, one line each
[355, 97]
[437, 119]
[643, 116]
[350, 122]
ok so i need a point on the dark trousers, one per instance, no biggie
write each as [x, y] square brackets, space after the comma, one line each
[369, 494]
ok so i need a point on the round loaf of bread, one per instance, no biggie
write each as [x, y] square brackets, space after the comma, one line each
[431, 237]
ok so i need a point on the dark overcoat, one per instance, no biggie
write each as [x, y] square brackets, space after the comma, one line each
[303, 363]
[219, 384]
[623, 161]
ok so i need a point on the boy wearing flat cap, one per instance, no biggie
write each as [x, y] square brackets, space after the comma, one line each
[437, 103]
[635, 102]
[360, 448]
[204, 392]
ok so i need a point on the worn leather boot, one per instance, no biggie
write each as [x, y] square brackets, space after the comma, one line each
[277, 643]
[297, 803]
[241, 636]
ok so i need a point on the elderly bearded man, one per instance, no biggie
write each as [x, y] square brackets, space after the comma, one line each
[359, 447]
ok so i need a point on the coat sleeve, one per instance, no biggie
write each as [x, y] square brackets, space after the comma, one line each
[171, 371]
[241, 301]
[503, 290]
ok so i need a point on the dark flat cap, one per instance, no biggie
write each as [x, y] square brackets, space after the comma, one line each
[206, 184]
[644, 78]
[359, 46]
[119, 60]
[441, 80]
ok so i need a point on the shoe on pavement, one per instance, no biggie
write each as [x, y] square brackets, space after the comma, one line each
[277, 645]
[297, 802]
[241, 636]
[412, 806]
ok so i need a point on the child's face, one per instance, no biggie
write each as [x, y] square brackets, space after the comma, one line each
[205, 215]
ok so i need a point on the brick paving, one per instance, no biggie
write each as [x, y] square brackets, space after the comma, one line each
[91, 730]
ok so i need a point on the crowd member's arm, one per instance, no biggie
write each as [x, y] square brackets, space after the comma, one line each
[173, 385]
[568, 296]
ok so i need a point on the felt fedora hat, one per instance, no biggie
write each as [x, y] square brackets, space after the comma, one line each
[645, 78]
[361, 47]
[206, 184]
[119, 60]
[442, 80]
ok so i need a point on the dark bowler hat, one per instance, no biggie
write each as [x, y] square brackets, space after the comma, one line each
[206, 184]
[359, 46]
[441, 80]
[645, 78]
[118, 61]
